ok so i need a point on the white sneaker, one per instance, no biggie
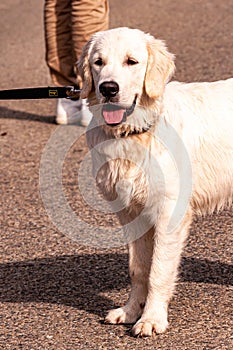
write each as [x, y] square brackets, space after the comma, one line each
[73, 112]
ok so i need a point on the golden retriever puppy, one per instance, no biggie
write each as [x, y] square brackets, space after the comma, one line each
[163, 150]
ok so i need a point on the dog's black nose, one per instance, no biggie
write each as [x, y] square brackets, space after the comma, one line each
[109, 89]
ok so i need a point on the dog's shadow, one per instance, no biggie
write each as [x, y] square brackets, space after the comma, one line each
[7, 113]
[80, 281]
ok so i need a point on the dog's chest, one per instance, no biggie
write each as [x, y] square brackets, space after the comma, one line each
[124, 173]
[130, 172]
[121, 181]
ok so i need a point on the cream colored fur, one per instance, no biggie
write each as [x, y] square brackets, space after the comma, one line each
[201, 115]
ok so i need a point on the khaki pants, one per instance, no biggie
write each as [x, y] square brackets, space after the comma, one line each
[68, 26]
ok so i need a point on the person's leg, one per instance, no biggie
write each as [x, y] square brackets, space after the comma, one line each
[88, 17]
[60, 56]
[68, 26]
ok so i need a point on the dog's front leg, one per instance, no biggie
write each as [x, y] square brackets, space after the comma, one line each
[140, 254]
[162, 277]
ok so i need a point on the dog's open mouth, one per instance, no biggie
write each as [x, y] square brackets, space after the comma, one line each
[115, 114]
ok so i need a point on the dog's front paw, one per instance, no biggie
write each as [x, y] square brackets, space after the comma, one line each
[146, 327]
[121, 315]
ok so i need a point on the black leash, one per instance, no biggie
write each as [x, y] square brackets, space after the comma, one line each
[71, 92]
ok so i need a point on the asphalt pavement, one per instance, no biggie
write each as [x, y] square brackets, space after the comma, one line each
[55, 287]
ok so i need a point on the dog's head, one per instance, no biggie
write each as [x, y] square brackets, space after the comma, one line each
[125, 68]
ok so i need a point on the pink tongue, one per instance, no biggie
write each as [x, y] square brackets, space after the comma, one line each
[113, 117]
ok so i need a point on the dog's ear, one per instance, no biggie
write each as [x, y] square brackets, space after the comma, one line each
[160, 67]
[84, 69]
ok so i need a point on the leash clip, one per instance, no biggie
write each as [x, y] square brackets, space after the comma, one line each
[73, 92]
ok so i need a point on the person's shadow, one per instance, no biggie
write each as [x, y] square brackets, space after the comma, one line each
[80, 281]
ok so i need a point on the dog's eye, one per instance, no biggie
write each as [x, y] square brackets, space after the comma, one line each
[131, 61]
[99, 62]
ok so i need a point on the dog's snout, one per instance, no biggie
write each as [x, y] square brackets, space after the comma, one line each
[109, 88]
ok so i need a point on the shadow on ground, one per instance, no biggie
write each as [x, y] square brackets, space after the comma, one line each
[7, 113]
[78, 281]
